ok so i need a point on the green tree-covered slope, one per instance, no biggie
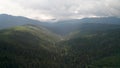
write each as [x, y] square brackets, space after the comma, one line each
[30, 46]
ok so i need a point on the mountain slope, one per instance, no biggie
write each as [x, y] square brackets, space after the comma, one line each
[8, 21]
[108, 62]
[93, 45]
[67, 26]
[83, 45]
[60, 27]
[35, 47]
[28, 46]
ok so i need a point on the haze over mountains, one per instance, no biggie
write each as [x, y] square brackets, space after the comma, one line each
[75, 43]
[59, 27]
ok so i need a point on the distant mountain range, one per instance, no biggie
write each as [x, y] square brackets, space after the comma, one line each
[60, 27]
[7, 21]
[84, 43]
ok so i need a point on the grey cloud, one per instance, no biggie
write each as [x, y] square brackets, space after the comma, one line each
[69, 8]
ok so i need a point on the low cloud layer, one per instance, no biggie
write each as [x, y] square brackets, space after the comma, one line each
[60, 9]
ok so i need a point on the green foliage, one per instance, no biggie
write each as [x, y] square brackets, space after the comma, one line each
[88, 47]
[25, 46]
[32, 46]
[108, 62]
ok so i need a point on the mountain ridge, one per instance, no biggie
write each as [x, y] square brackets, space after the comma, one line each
[82, 45]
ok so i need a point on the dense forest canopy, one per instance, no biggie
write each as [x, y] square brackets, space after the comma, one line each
[64, 44]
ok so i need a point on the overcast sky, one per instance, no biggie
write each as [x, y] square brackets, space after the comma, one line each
[60, 9]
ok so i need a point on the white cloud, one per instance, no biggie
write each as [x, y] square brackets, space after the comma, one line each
[60, 9]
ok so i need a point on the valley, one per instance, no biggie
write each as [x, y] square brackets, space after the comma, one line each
[72, 44]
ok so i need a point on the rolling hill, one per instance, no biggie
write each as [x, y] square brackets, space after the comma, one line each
[84, 43]
[24, 46]
[93, 44]
[60, 27]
